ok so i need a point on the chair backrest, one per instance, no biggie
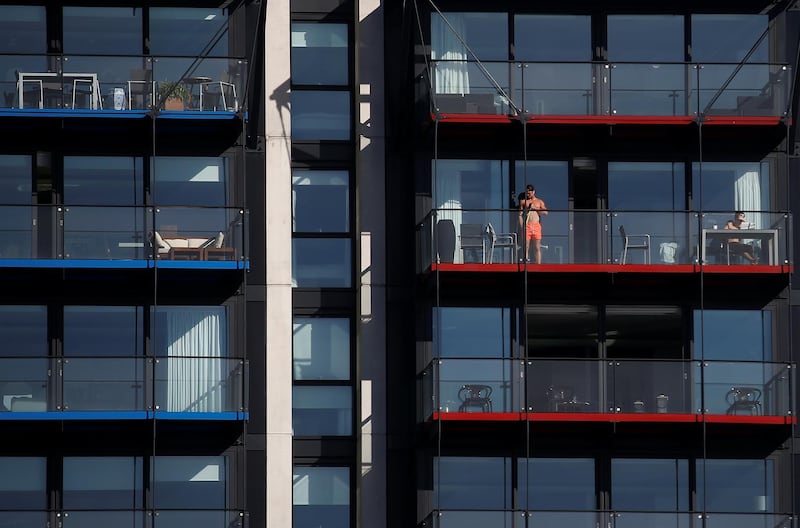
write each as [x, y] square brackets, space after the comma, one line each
[622, 231]
[491, 232]
[743, 395]
[474, 392]
[560, 393]
[472, 235]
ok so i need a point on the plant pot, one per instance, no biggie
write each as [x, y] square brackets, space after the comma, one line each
[173, 103]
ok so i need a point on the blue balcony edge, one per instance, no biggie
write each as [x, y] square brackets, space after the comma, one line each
[195, 114]
[68, 112]
[123, 264]
[228, 416]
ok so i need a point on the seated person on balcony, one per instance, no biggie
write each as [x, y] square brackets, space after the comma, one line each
[735, 245]
[532, 209]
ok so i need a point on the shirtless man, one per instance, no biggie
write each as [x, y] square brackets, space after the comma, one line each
[530, 210]
[735, 245]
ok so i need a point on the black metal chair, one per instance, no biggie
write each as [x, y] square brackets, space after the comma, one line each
[745, 399]
[474, 396]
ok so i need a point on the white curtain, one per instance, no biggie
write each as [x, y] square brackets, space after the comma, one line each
[747, 196]
[448, 204]
[447, 48]
[196, 340]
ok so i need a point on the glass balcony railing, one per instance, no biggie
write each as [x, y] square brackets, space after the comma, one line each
[122, 384]
[122, 233]
[495, 236]
[593, 519]
[621, 89]
[122, 83]
[733, 388]
[198, 518]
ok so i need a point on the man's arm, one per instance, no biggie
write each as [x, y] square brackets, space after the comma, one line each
[542, 209]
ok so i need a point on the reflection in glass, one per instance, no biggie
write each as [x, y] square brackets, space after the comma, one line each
[102, 483]
[319, 53]
[737, 335]
[472, 483]
[22, 29]
[649, 484]
[103, 180]
[104, 232]
[17, 222]
[188, 31]
[322, 411]
[552, 38]
[103, 331]
[473, 332]
[320, 201]
[22, 483]
[190, 482]
[648, 38]
[103, 384]
[736, 485]
[729, 37]
[183, 180]
[321, 262]
[321, 495]
[23, 330]
[108, 30]
[558, 483]
[321, 348]
[478, 385]
[321, 115]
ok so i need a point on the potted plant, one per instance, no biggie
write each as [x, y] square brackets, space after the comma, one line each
[173, 95]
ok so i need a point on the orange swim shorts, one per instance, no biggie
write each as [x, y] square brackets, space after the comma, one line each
[533, 231]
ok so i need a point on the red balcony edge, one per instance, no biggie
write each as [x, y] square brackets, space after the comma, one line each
[610, 417]
[609, 119]
[614, 268]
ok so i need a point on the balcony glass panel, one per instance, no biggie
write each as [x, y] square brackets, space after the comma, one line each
[652, 237]
[22, 29]
[198, 518]
[649, 484]
[110, 30]
[23, 331]
[103, 180]
[199, 233]
[190, 482]
[747, 520]
[742, 486]
[320, 201]
[473, 332]
[556, 89]
[479, 385]
[319, 53]
[24, 384]
[650, 387]
[105, 83]
[321, 497]
[102, 519]
[189, 31]
[16, 182]
[321, 115]
[24, 519]
[729, 37]
[573, 519]
[22, 487]
[322, 410]
[321, 348]
[104, 232]
[104, 384]
[201, 384]
[103, 331]
[742, 89]
[648, 89]
[473, 87]
[473, 519]
[563, 386]
[208, 84]
[558, 483]
[322, 262]
[17, 232]
[745, 388]
[475, 483]
[107, 483]
[653, 520]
